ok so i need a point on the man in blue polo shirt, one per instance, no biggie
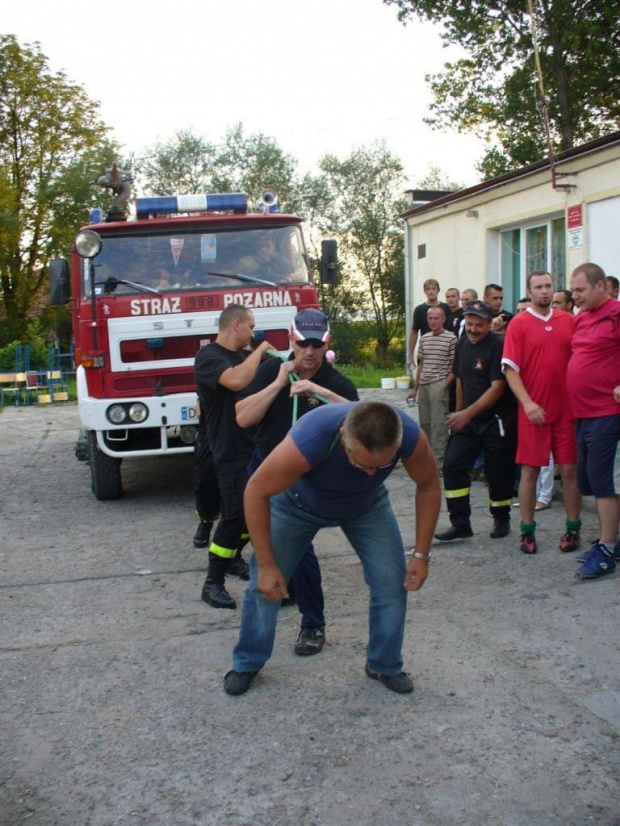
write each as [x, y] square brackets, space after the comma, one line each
[329, 472]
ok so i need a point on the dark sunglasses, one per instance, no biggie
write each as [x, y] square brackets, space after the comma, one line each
[314, 342]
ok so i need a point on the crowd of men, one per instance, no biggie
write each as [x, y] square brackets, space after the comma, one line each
[534, 391]
[285, 448]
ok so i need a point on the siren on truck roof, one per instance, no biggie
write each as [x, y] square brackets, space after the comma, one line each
[236, 202]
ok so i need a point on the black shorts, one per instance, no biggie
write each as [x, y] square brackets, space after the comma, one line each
[598, 462]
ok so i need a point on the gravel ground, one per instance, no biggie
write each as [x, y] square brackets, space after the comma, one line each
[113, 709]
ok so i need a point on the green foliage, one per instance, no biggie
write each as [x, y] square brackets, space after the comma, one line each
[351, 342]
[182, 165]
[436, 178]
[342, 301]
[253, 163]
[354, 344]
[312, 200]
[494, 91]
[52, 143]
[238, 163]
[35, 339]
[364, 208]
[369, 376]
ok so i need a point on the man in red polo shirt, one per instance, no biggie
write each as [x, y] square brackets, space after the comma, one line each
[535, 358]
[592, 378]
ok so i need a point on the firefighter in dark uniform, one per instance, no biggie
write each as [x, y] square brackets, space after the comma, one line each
[222, 369]
[485, 420]
[206, 488]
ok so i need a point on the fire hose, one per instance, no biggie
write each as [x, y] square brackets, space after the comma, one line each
[293, 377]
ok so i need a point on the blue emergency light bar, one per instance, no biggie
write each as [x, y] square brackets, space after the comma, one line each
[168, 205]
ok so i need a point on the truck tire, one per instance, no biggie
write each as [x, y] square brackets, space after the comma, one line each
[105, 472]
[81, 447]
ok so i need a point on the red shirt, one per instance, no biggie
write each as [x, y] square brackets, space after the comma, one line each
[539, 348]
[594, 368]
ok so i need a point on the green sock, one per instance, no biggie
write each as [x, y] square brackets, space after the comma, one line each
[573, 526]
[528, 527]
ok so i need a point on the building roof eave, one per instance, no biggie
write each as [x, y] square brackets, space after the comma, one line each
[524, 172]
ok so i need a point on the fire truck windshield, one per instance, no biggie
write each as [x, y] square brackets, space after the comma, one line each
[196, 260]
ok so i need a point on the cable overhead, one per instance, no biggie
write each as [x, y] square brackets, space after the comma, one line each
[543, 102]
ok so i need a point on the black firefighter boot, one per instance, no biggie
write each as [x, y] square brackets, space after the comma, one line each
[213, 591]
[461, 530]
[203, 533]
[501, 525]
[239, 567]
[459, 511]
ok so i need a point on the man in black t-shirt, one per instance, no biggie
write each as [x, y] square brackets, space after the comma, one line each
[494, 295]
[455, 311]
[222, 369]
[485, 420]
[272, 403]
[419, 325]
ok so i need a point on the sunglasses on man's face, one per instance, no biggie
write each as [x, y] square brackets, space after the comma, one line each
[311, 342]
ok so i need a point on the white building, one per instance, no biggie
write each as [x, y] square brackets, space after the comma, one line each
[498, 231]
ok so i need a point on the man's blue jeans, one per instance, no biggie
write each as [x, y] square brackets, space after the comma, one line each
[305, 583]
[306, 588]
[376, 539]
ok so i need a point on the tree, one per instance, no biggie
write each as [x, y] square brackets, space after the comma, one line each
[254, 163]
[494, 91]
[52, 143]
[184, 164]
[436, 178]
[239, 163]
[313, 201]
[364, 193]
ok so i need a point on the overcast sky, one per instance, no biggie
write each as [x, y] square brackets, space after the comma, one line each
[318, 75]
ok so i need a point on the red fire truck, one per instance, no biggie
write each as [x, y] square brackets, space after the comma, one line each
[146, 294]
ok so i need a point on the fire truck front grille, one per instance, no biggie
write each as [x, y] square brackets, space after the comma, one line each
[147, 385]
[156, 349]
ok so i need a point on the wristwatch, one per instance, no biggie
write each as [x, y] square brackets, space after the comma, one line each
[418, 555]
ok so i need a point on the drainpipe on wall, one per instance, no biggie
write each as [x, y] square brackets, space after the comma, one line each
[408, 307]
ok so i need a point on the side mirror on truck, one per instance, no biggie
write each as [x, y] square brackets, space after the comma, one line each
[329, 262]
[60, 285]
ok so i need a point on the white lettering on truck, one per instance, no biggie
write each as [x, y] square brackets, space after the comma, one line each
[155, 306]
[278, 298]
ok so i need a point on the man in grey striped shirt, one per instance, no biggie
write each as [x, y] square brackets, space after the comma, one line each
[433, 379]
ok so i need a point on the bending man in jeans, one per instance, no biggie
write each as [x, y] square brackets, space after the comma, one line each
[329, 472]
[269, 404]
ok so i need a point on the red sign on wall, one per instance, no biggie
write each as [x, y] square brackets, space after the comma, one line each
[574, 216]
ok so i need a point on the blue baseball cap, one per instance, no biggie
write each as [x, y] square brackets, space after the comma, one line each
[310, 324]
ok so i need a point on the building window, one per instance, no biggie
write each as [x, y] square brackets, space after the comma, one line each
[536, 248]
[511, 267]
[540, 246]
[558, 252]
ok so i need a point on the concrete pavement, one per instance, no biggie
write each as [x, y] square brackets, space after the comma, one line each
[113, 709]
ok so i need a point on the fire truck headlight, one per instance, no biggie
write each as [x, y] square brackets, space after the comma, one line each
[138, 412]
[188, 434]
[88, 243]
[116, 414]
